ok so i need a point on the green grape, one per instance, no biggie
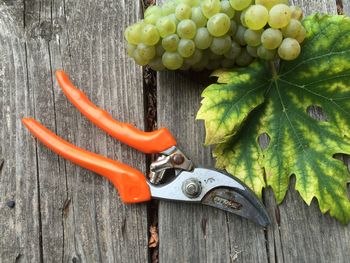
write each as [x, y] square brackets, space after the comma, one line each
[198, 17]
[146, 52]
[234, 51]
[173, 18]
[242, 18]
[213, 64]
[227, 9]
[139, 60]
[190, 2]
[297, 13]
[244, 59]
[151, 10]
[195, 58]
[227, 63]
[183, 12]
[166, 26]
[133, 33]
[219, 24]
[152, 14]
[301, 35]
[168, 8]
[279, 16]
[271, 38]
[252, 38]
[172, 60]
[203, 39]
[256, 17]
[253, 51]
[292, 29]
[266, 54]
[270, 3]
[233, 28]
[186, 29]
[289, 49]
[221, 45]
[170, 43]
[131, 49]
[239, 37]
[239, 5]
[210, 7]
[186, 48]
[150, 35]
[156, 64]
[159, 49]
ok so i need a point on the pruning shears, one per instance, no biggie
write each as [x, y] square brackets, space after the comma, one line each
[185, 183]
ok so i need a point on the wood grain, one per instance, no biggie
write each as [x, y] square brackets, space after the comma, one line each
[301, 233]
[62, 212]
[195, 233]
[20, 225]
[346, 7]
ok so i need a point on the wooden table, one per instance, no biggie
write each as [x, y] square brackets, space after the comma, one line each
[62, 213]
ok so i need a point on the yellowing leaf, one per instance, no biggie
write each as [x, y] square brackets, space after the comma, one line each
[227, 105]
[299, 144]
[245, 152]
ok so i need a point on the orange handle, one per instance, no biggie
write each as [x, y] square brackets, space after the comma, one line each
[147, 142]
[131, 183]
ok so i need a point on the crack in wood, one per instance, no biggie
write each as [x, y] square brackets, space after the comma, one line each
[150, 98]
[340, 8]
[2, 161]
[73, 243]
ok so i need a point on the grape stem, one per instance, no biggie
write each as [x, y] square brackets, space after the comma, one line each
[273, 69]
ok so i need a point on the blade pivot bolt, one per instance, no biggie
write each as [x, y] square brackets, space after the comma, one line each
[192, 188]
[178, 159]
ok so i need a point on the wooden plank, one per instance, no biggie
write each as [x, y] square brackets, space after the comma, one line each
[80, 216]
[105, 229]
[301, 233]
[346, 7]
[195, 233]
[313, 6]
[19, 226]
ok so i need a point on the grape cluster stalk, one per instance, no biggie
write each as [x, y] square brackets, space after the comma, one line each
[211, 34]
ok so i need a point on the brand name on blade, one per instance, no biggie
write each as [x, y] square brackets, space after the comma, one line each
[228, 203]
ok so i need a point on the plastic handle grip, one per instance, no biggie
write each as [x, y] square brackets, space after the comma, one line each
[131, 183]
[147, 142]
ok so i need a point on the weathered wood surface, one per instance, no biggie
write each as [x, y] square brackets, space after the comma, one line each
[301, 233]
[63, 213]
[346, 6]
[199, 234]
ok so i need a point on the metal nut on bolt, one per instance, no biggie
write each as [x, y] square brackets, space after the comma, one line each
[192, 188]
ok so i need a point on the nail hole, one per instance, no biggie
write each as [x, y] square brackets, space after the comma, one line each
[317, 113]
[264, 140]
[11, 203]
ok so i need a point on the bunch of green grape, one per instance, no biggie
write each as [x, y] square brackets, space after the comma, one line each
[209, 34]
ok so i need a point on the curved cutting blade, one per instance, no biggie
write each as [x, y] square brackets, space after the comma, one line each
[216, 189]
[240, 202]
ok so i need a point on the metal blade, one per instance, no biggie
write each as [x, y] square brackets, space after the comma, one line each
[240, 202]
[213, 188]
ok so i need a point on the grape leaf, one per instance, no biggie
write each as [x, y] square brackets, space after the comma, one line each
[239, 109]
[226, 105]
